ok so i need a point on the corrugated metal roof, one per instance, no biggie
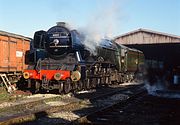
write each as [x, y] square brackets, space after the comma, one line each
[4, 33]
[148, 31]
[125, 47]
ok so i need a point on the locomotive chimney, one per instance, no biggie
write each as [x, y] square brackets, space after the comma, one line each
[61, 24]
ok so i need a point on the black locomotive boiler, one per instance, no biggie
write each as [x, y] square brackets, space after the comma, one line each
[58, 59]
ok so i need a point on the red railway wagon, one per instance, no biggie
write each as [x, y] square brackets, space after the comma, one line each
[12, 54]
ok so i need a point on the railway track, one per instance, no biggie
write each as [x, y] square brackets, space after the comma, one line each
[108, 114]
[78, 105]
[140, 108]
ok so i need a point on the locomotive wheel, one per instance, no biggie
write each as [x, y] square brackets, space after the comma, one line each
[103, 80]
[37, 86]
[32, 85]
[29, 85]
[60, 88]
[87, 84]
[98, 84]
[107, 81]
[67, 86]
[93, 82]
[80, 85]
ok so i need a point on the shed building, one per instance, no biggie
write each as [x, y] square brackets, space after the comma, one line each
[144, 36]
[160, 49]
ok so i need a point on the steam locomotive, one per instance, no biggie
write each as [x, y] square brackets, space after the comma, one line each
[59, 60]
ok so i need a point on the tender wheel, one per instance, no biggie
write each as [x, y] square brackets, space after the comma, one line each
[67, 86]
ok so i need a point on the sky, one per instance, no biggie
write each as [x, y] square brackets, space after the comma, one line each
[108, 17]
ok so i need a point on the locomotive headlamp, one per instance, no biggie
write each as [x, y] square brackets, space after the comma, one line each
[26, 75]
[75, 76]
[57, 76]
[122, 60]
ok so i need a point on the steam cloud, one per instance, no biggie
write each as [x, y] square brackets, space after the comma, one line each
[101, 25]
[155, 87]
[158, 85]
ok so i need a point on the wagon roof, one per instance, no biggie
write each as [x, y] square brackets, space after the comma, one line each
[4, 33]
